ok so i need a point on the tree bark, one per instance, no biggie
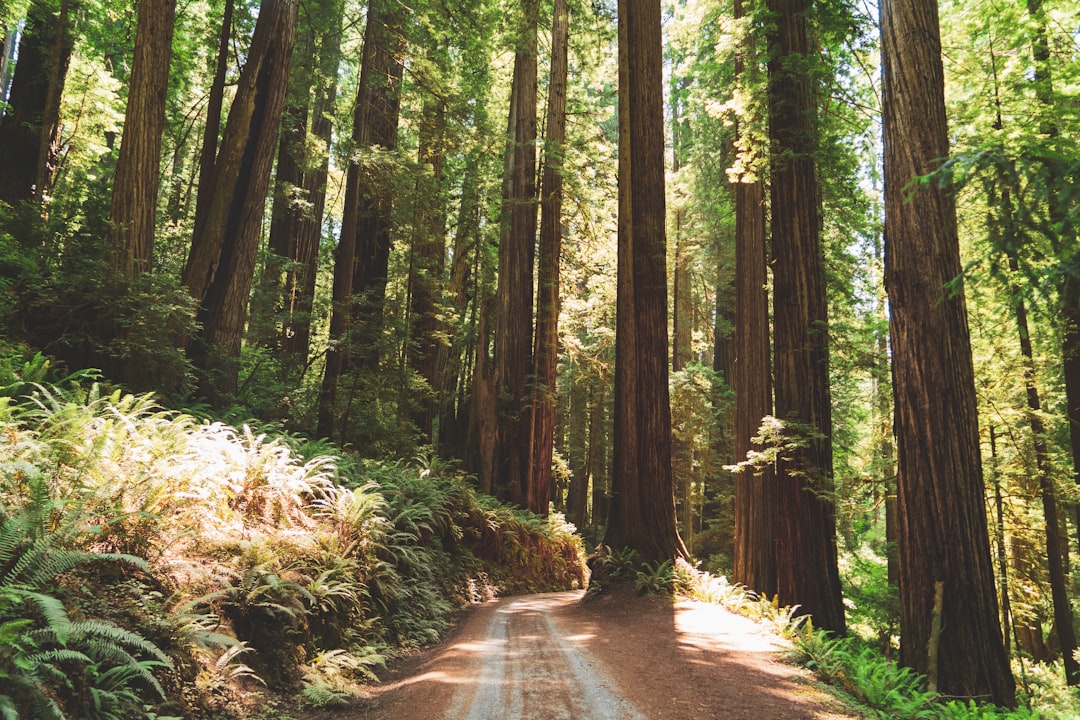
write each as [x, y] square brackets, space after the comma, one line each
[513, 329]
[376, 196]
[755, 495]
[364, 246]
[135, 188]
[428, 264]
[546, 350]
[241, 182]
[29, 131]
[201, 263]
[943, 530]
[806, 563]
[642, 513]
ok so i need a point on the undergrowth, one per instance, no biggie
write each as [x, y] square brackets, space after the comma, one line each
[183, 564]
[877, 686]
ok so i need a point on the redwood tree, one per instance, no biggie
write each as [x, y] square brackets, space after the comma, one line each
[545, 355]
[944, 550]
[807, 573]
[642, 511]
[135, 189]
[363, 250]
[755, 496]
[30, 130]
[221, 264]
[514, 301]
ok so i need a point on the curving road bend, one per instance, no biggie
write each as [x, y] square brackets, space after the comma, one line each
[529, 667]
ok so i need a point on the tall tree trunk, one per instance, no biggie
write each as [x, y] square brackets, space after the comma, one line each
[682, 331]
[428, 264]
[755, 495]
[1003, 230]
[453, 365]
[241, 182]
[29, 131]
[578, 446]
[546, 351]
[363, 247]
[1063, 617]
[376, 201]
[943, 532]
[135, 188]
[201, 264]
[642, 513]
[806, 562]
[302, 273]
[289, 202]
[513, 330]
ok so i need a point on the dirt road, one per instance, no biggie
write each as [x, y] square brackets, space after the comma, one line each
[552, 657]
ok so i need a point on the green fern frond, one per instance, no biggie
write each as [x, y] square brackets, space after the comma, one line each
[124, 676]
[119, 636]
[12, 537]
[55, 657]
[57, 622]
[7, 708]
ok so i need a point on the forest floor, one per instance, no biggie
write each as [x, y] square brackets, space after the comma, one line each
[614, 657]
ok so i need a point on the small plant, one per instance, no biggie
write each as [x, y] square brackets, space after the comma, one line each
[40, 642]
[656, 578]
[609, 565]
[329, 674]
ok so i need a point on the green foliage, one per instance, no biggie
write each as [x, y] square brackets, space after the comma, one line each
[884, 688]
[291, 566]
[656, 578]
[51, 665]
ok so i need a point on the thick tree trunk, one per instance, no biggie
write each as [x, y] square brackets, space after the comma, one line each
[241, 182]
[577, 451]
[201, 262]
[29, 131]
[288, 207]
[135, 188]
[513, 329]
[755, 494]
[376, 197]
[428, 266]
[546, 351]
[642, 513]
[943, 530]
[363, 250]
[806, 563]
[302, 273]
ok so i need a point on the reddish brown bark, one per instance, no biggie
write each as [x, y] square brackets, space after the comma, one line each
[240, 186]
[545, 355]
[514, 298]
[806, 563]
[642, 511]
[29, 132]
[942, 534]
[363, 249]
[135, 188]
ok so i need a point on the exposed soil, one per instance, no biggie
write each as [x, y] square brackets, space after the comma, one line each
[621, 657]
